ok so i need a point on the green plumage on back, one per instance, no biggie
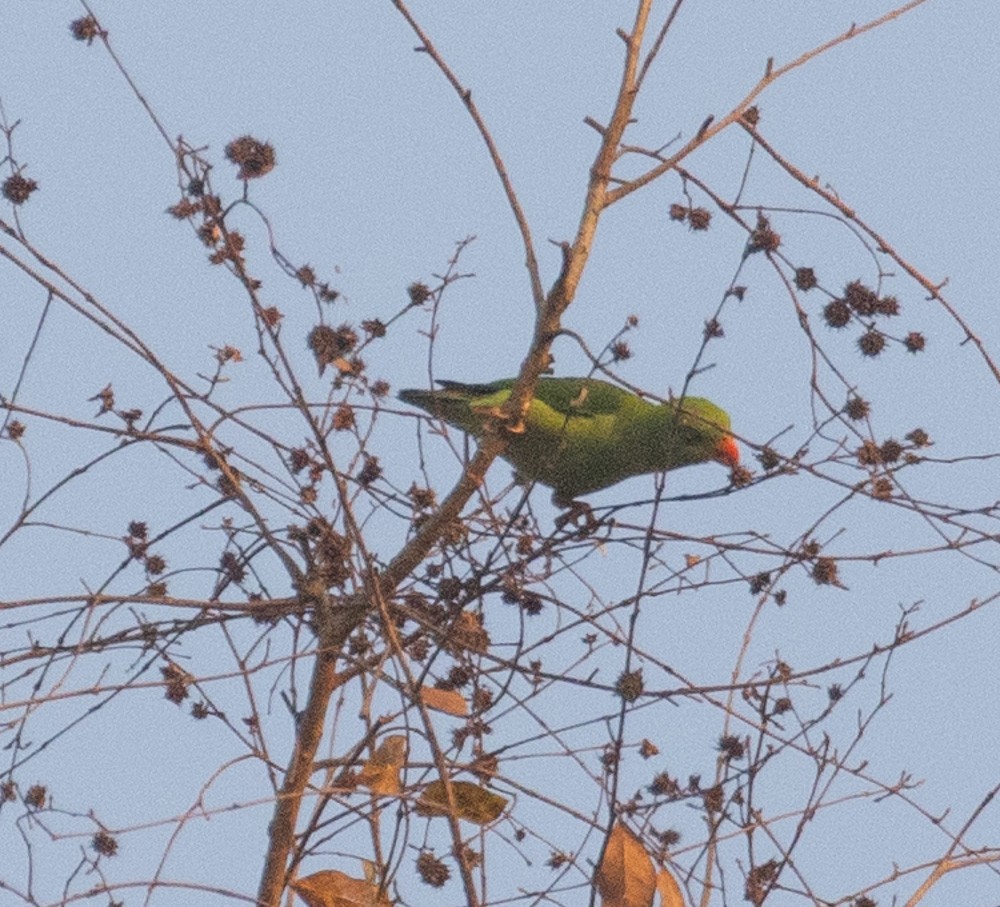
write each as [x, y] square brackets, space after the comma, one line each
[582, 434]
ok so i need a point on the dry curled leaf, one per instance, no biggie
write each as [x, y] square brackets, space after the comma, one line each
[450, 701]
[330, 888]
[468, 634]
[381, 772]
[670, 891]
[626, 877]
[472, 803]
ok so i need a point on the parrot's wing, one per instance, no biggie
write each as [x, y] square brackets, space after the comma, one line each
[582, 397]
[576, 397]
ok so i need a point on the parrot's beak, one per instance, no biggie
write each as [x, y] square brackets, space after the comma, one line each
[728, 452]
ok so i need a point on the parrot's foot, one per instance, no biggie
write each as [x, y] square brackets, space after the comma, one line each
[575, 512]
[495, 412]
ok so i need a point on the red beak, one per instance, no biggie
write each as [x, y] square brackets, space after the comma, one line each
[728, 452]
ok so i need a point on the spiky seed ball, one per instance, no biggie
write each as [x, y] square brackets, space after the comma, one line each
[177, 683]
[620, 351]
[915, 342]
[713, 328]
[449, 589]
[663, 785]
[370, 472]
[419, 293]
[557, 859]
[887, 305]
[837, 313]
[648, 749]
[699, 218]
[298, 459]
[104, 844]
[629, 685]
[869, 454]
[458, 677]
[330, 344]
[857, 409]
[861, 299]
[732, 747]
[678, 211]
[17, 188]
[805, 278]
[36, 796]
[486, 764]
[467, 634]
[824, 571]
[432, 870]
[740, 477]
[714, 798]
[231, 566]
[763, 238]
[85, 29]
[871, 342]
[322, 340]
[184, 209]
[155, 564]
[769, 459]
[343, 418]
[254, 157]
[531, 604]
[891, 451]
[138, 529]
[271, 316]
[759, 881]
[882, 488]
[670, 838]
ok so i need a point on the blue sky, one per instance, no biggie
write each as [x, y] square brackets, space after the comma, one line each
[380, 174]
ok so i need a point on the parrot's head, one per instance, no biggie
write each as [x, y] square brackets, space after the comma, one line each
[706, 433]
[727, 452]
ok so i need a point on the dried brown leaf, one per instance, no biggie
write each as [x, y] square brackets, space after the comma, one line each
[450, 701]
[330, 888]
[626, 877]
[472, 803]
[670, 891]
[381, 772]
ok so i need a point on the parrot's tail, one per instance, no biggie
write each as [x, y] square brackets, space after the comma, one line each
[416, 398]
[449, 404]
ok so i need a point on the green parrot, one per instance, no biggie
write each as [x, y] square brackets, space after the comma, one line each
[582, 434]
